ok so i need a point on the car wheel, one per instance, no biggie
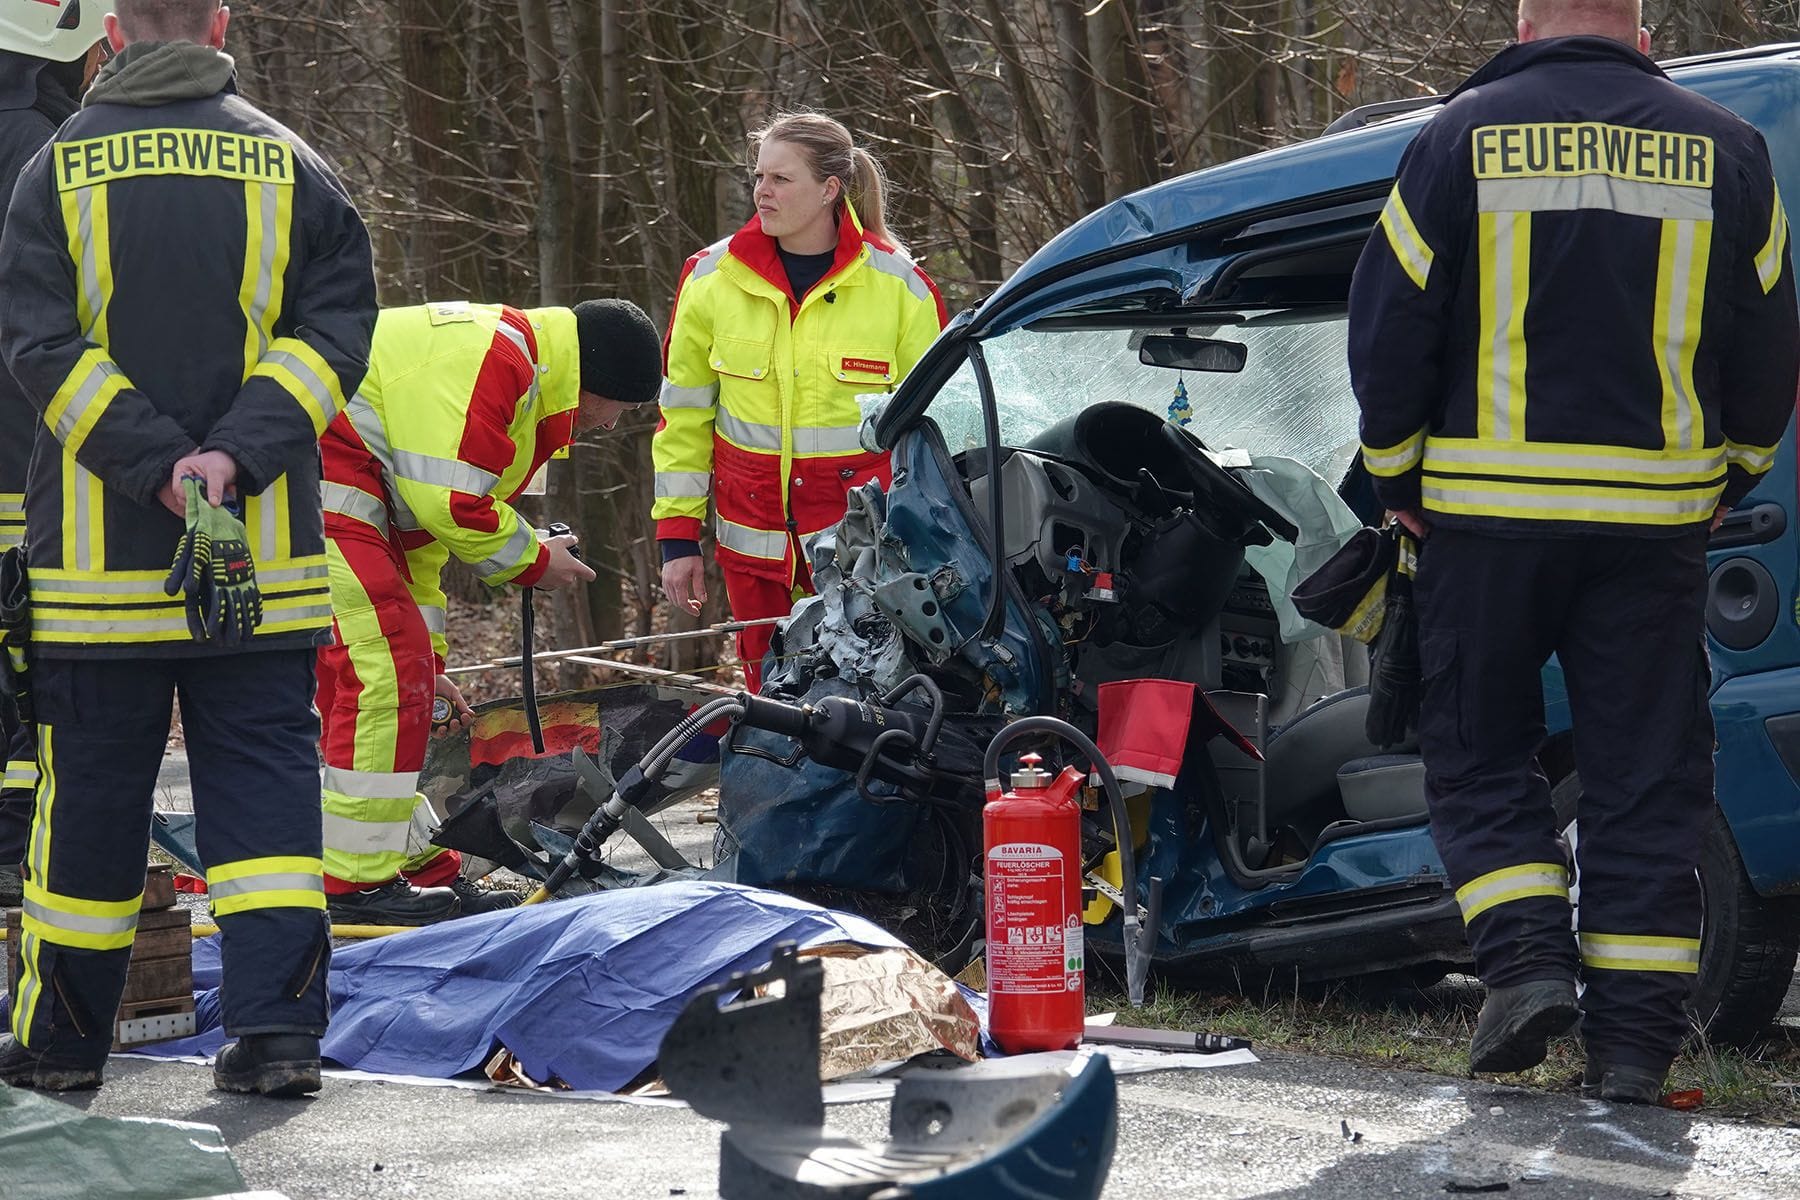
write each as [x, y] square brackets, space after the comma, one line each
[1748, 943]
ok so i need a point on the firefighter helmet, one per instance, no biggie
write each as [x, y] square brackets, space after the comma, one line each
[60, 30]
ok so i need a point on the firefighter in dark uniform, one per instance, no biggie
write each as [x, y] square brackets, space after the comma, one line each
[48, 52]
[189, 293]
[1573, 338]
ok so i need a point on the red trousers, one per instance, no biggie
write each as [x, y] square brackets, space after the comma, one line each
[376, 682]
[752, 598]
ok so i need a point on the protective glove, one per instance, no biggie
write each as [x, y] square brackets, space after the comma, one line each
[214, 569]
[193, 558]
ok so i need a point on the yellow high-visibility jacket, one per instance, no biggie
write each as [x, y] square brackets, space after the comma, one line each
[759, 391]
[462, 404]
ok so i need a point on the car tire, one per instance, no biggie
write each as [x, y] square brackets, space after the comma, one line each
[1745, 975]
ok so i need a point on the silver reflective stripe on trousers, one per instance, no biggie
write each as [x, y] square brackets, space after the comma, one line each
[375, 785]
[72, 923]
[755, 543]
[273, 882]
[365, 837]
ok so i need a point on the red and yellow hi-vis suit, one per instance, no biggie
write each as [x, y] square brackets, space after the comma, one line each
[461, 406]
[759, 403]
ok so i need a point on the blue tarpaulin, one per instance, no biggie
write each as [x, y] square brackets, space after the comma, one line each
[580, 989]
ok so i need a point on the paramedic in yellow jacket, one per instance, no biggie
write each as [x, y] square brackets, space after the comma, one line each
[463, 403]
[776, 331]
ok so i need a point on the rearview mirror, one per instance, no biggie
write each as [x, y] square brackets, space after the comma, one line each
[1193, 354]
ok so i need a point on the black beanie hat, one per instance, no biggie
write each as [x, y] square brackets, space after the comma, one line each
[621, 355]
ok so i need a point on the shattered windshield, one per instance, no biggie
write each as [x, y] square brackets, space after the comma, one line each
[1292, 397]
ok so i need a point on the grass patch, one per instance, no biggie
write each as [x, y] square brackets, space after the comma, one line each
[1430, 1030]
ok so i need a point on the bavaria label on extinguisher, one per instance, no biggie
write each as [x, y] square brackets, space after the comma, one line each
[1027, 950]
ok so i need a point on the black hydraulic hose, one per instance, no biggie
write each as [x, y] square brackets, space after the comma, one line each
[527, 667]
[1137, 952]
[606, 819]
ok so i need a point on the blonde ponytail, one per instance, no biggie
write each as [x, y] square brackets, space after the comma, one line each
[868, 191]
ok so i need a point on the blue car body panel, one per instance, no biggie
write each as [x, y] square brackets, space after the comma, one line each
[1162, 240]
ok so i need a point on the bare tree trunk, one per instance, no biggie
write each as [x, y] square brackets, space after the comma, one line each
[556, 264]
[1120, 89]
[578, 618]
[1078, 93]
[981, 225]
[436, 86]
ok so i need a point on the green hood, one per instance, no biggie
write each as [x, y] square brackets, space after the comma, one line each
[146, 74]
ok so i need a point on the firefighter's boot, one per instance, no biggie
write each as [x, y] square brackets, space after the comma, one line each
[476, 900]
[395, 902]
[1516, 1022]
[269, 1064]
[1622, 1083]
[23, 1067]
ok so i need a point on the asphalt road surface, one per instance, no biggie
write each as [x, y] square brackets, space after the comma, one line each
[1274, 1129]
[1289, 1126]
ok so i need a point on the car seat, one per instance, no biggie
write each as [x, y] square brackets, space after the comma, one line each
[1321, 767]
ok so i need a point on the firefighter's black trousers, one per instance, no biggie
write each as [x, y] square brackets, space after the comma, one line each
[18, 785]
[1624, 616]
[252, 747]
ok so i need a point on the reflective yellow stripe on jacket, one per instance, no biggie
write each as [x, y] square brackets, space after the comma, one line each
[125, 607]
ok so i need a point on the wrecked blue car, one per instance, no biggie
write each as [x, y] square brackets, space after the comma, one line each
[1116, 468]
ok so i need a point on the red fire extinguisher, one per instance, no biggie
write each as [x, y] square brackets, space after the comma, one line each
[1032, 834]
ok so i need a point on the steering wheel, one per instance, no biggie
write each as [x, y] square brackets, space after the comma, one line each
[1222, 487]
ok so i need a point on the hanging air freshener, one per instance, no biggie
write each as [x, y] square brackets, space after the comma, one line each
[1180, 411]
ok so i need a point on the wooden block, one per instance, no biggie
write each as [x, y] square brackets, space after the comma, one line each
[153, 977]
[163, 943]
[164, 918]
[159, 887]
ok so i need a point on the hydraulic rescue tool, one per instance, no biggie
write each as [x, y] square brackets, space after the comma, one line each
[881, 742]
